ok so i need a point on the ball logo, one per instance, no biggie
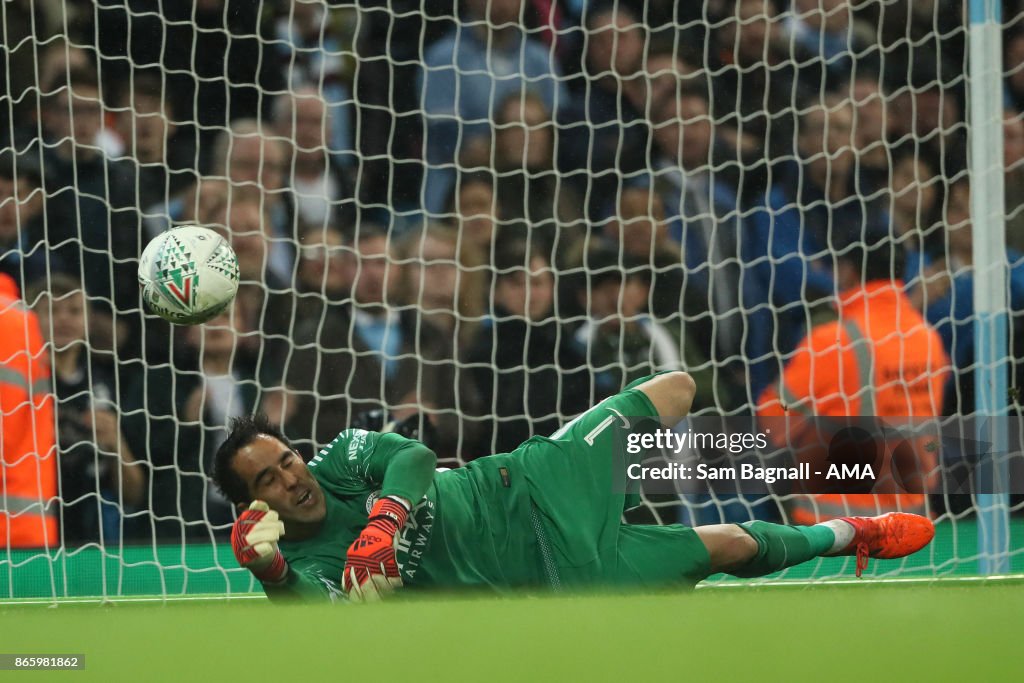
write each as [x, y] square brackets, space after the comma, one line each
[181, 287]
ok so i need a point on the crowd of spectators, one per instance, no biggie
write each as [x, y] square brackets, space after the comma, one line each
[493, 212]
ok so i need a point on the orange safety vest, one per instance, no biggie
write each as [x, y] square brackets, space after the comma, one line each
[28, 447]
[880, 358]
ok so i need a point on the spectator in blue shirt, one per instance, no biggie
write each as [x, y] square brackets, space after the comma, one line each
[529, 376]
[915, 209]
[826, 38]
[620, 341]
[320, 185]
[872, 133]
[310, 45]
[1013, 161]
[22, 251]
[706, 221]
[953, 314]
[532, 200]
[604, 131]
[465, 76]
[91, 202]
[791, 246]
[757, 92]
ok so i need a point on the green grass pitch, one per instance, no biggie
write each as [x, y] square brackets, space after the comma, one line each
[939, 631]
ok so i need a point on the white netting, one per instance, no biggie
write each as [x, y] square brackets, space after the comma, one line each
[494, 214]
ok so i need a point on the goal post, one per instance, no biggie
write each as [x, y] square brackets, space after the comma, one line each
[990, 293]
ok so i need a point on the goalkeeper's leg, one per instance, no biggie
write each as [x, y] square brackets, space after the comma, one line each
[653, 555]
[759, 548]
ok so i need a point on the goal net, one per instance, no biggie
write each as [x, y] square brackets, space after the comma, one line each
[479, 219]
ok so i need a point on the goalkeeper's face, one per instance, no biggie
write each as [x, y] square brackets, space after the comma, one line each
[277, 475]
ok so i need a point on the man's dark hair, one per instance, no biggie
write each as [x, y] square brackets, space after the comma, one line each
[604, 263]
[146, 83]
[242, 432]
[74, 77]
[55, 286]
[23, 166]
[514, 255]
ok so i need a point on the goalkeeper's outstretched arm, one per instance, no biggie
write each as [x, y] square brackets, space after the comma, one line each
[671, 394]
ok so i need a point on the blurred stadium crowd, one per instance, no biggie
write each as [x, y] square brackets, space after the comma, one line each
[496, 219]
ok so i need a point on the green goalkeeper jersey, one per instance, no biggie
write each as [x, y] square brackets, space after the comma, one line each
[472, 528]
[548, 514]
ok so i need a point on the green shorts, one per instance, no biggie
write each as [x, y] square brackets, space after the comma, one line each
[660, 555]
[573, 477]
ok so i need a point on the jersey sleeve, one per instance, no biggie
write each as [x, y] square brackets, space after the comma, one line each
[357, 458]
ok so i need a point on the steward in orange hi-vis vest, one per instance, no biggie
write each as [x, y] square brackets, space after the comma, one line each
[879, 358]
[28, 450]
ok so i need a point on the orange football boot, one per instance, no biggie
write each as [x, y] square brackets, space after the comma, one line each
[888, 536]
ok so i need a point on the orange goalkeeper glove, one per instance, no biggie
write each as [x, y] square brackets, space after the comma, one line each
[254, 539]
[371, 569]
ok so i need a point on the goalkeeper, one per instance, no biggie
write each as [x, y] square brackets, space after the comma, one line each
[370, 513]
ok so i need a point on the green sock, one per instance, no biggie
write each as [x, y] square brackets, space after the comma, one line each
[780, 546]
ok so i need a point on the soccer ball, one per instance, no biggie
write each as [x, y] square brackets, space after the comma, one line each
[188, 275]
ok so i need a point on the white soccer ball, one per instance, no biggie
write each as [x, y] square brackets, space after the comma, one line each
[188, 275]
